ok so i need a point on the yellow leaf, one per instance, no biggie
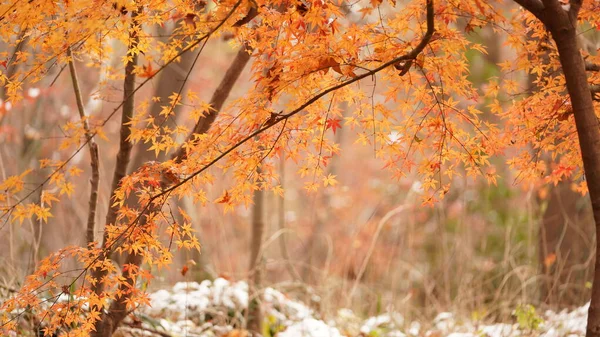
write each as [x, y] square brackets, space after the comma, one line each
[329, 180]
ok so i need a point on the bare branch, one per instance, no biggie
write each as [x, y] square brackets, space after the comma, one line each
[94, 161]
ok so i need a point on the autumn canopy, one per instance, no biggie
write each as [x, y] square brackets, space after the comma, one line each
[394, 73]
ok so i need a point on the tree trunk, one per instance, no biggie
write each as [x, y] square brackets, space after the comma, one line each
[562, 26]
[258, 228]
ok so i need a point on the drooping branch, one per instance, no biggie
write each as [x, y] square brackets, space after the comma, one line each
[283, 117]
[205, 123]
[93, 147]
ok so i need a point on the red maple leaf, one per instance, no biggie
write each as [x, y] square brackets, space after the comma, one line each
[147, 72]
[224, 199]
[333, 124]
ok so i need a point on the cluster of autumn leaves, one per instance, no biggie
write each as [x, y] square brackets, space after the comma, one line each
[317, 66]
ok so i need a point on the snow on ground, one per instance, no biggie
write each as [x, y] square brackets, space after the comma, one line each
[217, 309]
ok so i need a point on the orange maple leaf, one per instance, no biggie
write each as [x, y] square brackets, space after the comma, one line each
[148, 71]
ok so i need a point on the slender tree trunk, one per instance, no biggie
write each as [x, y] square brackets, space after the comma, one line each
[562, 26]
[93, 147]
[258, 228]
[124, 148]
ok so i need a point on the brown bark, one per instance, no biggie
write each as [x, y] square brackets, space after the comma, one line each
[117, 311]
[93, 148]
[219, 96]
[124, 147]
[562, 26]
[258, 228]
[106, 325]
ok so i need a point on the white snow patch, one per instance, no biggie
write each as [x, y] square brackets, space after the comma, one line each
[310, 327]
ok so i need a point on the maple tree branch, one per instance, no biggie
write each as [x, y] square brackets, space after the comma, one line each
[116, 312]
[589, 66]
[124, 144]
[118, 308]
[218, 98]
[193, 45]
[282, 117]
[93, 147]
[106, 325]
[10, 65]
[252, 13]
